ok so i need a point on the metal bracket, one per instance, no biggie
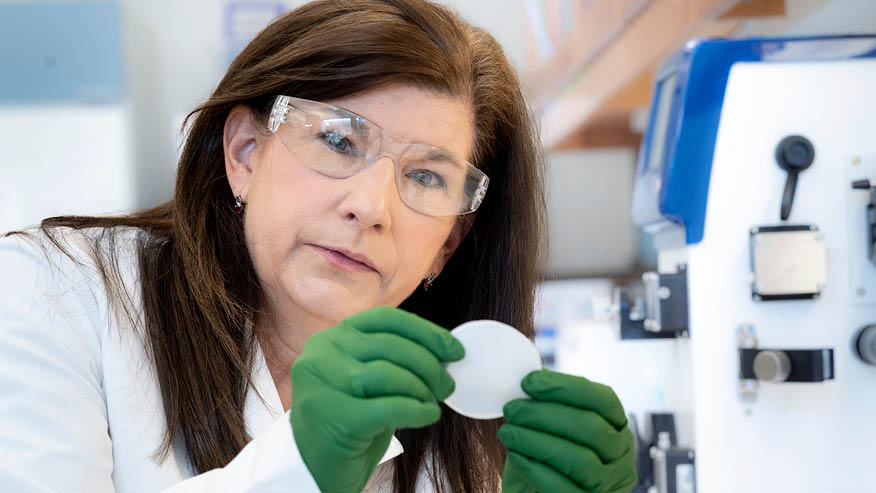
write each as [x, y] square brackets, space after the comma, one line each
[746, 339]
[651, 280]
[659, 309]
[871, 215]
[778, 365]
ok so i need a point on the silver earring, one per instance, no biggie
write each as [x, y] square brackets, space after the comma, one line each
[238, 205]
[429, 281]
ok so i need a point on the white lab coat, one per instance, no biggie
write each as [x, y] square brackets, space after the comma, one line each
[80, 405]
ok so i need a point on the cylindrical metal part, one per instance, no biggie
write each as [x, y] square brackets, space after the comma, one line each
[772, 366]
[865, 344]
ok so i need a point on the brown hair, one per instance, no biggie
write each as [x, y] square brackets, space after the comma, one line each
[199, 285]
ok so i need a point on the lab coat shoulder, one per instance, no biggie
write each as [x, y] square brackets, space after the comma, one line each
[80, 407]
[55, 431]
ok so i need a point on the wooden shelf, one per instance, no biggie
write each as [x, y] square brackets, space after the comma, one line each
[592, 64]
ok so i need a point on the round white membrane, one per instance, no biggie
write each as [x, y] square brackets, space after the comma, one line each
[497, 357]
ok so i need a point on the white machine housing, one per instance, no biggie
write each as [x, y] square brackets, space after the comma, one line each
[802, 437]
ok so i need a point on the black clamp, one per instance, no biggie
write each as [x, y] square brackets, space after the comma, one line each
[871, 215]
[778, 365]
[662, 465]
[658, 309]
[786, 365]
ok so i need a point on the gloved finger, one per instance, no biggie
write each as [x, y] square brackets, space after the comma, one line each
[578, 463]
[334, 416]
[621, 474]
[324, 363]
[403, 352]
[581, 426]
[546, 385]
[541, 477]
[394, 320]
[377, 414]
[514, 480]
[381, 378]
[582, 466]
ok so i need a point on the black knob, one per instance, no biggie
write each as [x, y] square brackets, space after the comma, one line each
[794, 154]
[864, 343]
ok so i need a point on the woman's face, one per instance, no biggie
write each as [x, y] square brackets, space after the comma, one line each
[305, 231]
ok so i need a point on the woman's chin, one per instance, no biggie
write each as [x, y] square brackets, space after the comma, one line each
[330, 300]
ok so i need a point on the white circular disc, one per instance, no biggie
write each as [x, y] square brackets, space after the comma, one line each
[497, 357]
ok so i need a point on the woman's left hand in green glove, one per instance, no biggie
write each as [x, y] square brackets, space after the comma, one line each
[571, 437]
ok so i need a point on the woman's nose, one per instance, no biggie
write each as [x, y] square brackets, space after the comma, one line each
[371, 194]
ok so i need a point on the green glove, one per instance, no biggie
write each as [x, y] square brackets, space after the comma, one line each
[571, 437]
[358, 381]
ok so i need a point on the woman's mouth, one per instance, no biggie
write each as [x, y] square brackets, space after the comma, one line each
[345, 260]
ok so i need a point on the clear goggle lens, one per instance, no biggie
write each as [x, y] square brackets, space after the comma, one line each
[338, 143]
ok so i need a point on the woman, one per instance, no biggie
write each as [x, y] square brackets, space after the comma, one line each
[352, 151]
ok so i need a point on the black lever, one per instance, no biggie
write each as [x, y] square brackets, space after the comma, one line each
[864, 184]
[794, 154]
[870, 185]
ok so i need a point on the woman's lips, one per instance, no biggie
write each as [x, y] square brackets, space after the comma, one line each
[342, 261]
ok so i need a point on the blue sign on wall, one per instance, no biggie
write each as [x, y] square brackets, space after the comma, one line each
[60, 52]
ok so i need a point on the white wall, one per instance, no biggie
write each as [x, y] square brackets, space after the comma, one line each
[59, 159]
[173, 54]
[63, 151]
[589, 197]
[176, 54]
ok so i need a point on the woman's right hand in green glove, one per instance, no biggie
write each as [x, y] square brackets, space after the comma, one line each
[355, 383]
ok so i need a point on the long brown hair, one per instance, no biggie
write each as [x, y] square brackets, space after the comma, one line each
[199, 285]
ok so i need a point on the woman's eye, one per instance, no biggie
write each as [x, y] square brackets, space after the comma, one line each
[338, 143]
[427, 179]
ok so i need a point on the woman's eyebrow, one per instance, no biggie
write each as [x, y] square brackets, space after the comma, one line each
[439, 154]
[363, 126]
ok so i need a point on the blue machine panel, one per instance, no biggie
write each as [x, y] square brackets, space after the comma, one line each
[675, 162]
[60, 51]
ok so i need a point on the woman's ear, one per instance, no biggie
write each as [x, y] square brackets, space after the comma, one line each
[460, 228]
[239, 140]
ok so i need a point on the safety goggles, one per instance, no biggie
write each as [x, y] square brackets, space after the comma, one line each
[338, 143]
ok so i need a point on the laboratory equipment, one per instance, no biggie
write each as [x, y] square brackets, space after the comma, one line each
[740, 130]
[662, 465]
[869, 185]
[788, 262]
[656, 311]
[794, 154]
[778, 365]
[865, 344]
